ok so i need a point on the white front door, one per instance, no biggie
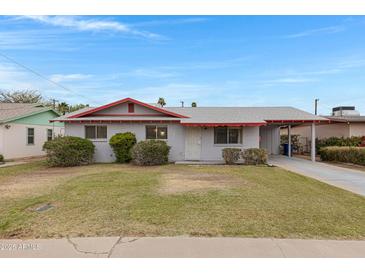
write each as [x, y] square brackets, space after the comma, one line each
[192, 143]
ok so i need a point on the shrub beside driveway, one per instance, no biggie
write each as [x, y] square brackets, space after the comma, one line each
[170, 200]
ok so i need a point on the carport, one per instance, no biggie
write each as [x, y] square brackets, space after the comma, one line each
[270, 135]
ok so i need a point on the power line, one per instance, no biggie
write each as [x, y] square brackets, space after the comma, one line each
[40, 75]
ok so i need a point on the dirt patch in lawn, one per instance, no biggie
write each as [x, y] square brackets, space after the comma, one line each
[43, 180]
[180, 182]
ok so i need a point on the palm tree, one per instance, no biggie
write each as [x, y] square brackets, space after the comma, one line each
[161, 102]
[63, 107]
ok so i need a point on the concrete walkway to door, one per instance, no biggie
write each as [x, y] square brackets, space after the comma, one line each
[349, 179]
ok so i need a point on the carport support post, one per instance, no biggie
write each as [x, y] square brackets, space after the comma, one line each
[289, 140]
[313, 143]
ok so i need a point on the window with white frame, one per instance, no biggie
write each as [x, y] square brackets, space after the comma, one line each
[49, 134]
[227, 135]
[30, 136]
[154, 132]
[96, 132]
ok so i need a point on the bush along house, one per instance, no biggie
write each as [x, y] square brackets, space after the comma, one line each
[193, 133]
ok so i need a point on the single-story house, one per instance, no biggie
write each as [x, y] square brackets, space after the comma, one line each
[24, 128]
[345, 121]
[194, 133]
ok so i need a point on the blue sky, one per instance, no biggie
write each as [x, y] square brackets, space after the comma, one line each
[212, 60]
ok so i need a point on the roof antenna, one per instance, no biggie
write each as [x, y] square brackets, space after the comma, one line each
[182, 103]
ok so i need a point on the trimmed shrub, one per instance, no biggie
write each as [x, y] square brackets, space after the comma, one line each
[231, 155]
[354, 155]
[69, 151]
[150, 153]
[1, 158]
[254, 156]
[122, 144]
[354, 141]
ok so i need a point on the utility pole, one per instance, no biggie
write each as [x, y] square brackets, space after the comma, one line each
[316, 106]
[54, 103]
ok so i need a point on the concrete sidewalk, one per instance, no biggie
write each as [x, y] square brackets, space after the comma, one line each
[349, 179]
[180, 247]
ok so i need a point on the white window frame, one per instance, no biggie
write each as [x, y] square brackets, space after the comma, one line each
[51, 134]
[27, 136]
[96, 133]
[157, 126]
[240, 141]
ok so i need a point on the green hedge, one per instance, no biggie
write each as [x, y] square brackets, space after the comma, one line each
[150, 153]
[69, 151]
[354, 155]
[231, 155]
[338, 142]
[254, 156]
[1, 158]
[122, 144]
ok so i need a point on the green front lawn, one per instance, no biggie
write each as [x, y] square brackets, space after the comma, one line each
[238, 201]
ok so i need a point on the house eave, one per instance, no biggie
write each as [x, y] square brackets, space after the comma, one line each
[161, 110]
[244, 124]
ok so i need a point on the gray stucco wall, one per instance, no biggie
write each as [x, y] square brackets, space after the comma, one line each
[104, 153]
[176, 139]
[213, 152]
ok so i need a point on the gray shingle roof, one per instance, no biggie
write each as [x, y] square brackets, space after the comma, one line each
[12, 111]
[74, 113]
[216, 115]
[243, 114]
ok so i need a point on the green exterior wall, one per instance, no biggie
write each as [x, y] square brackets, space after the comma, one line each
[41, 119]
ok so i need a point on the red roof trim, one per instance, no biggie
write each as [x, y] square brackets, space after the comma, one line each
[161, 110]
[295, 121]
[128, 115]
[115, 121]
[223, 124]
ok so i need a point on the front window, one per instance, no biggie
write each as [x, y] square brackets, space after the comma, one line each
[226, 135]
[95, 132]
[30, 136]
[49, 134]
[156, 132]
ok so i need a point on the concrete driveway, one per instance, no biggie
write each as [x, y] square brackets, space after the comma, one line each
[180, 247]
[349, 179]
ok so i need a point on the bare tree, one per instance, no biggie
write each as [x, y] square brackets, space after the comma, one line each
[21, 96]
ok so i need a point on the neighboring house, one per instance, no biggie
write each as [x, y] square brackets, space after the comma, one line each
[24, 128]
[345, 122]
[194, 133]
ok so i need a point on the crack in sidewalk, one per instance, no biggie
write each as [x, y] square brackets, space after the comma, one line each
[107, 253]
[279, 247]
[75, 246]
[120, 242]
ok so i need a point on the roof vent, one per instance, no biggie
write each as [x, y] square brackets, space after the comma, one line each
[345, 111]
